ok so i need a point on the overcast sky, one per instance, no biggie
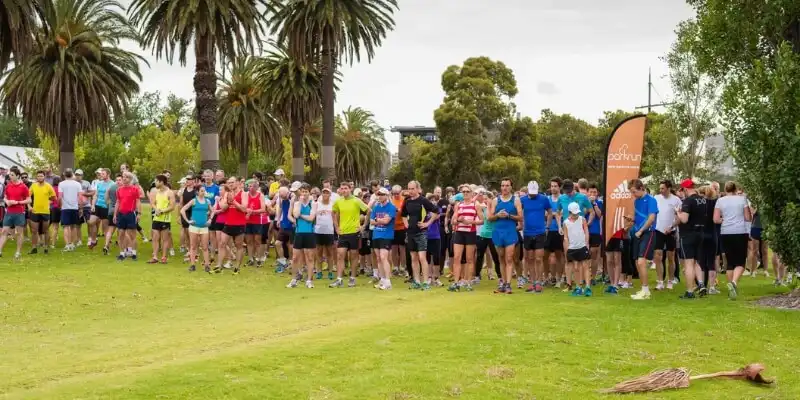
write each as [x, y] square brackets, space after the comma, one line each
[572, 56]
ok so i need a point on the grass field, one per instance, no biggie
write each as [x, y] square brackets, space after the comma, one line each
[83, 326]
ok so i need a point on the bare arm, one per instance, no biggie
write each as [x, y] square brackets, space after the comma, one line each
[185, 208]
[518, 206]
[718, 216]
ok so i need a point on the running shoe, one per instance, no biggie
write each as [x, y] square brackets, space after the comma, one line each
[34, 251]
[92, 245]
[438, 283]
[217, 270]
[280, 269]
[530, 289]
[641, 295]
[415, 286]
[468, 287]
[172, 252]
[746, 273]
[105, 251]
[45, 249]
[192, 268]
[520, 282]
[337, 283]
[687, 296]
[152, 261]
[669, 285]
[732, 291]
[593, 282]
[120, 258]
[330, 276]
[476, 281]
[351, 282]
[134, 257]
[163, 260]
[228, 265]
[455, 288]
[701, 291]
[612, 290]
[426, 286]
[587, 292]
[17, 256]
[318, 275]
[660, 285]
[236, 271]
[538, 288]
[713, 290]
[309, 285]
[292, 284]
[207, 269]
[577, 292]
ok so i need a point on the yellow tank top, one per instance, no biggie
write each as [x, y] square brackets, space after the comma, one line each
[162, 202]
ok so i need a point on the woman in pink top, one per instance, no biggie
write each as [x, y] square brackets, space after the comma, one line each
[465, 220]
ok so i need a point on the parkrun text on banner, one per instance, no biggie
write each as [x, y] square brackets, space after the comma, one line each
[623, 163]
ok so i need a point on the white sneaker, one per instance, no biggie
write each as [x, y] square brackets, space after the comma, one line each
[652, 265]
[674, 281]
[309, 284]
[659, 285]
[228, 265]
[17, 256]
[641, 295]
[669, 285]
[79, 244]
[292, 284]
[172, 252]
[438, 283]
[746, 273]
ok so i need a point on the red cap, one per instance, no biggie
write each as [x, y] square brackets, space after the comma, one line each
[687, 183]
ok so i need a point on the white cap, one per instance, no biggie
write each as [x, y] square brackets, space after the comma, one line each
[383, 191]
[295, 185]
[99, 170]
[78, 172]
[533, 187]
[574, 208]
[279, 172]
[357, 192]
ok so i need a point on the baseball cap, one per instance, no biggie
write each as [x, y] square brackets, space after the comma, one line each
[326, 190]
[383, 191]
[533, 187]
[357, 192]
[78, 172]
[295, 185]
[574, 208]
[182, 181]
[279, 172]
[99, 170]
[687, 183]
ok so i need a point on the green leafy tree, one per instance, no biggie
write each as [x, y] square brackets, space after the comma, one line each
[174, 152]
[326, 32]
[517, 142]
[46, 157]
[212, 28]
[753, 50]
[76, 78]
[15, 132]
[570, 147]
[100, 151]
[245, 120]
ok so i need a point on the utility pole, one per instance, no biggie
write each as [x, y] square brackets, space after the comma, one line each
[650, 104]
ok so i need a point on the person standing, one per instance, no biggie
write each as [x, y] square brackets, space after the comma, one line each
[466, 219]
[346, 221]
[42, 194]
[98, 220]
[256, 217]
[733, 212]
[197, 213]
[17, 197]
[506, 211]
[399, 241]
[595, 231]
[576, 241]
[70, 209]
[85, 207]
[383, 217]
[111, 203]
[303, 214]
[163, 204]
[536, 220]
[234, 205]
[126, 215]
[414, 211]
[665, 242]
[645, 211]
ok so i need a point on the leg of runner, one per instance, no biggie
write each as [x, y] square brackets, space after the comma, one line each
[298, 259]
[386, 269]
[458, 251]
[309, 259]
[469, 267]
[156, 235]
[202, 243]
[194, 238]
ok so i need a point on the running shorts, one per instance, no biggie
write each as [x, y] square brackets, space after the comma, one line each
[578, 255]
[535, 242]
[664, 241]
[735, 250]
[418, 242]
[233, 230]
[380, 244]
[161, 226]
[555, 242]
[253, 229]
[325, 239]
[643, 246]
[198, 230]
[504, 238]
[125, 221]
[349, 241]
[595, 240]
[305, 241]
[101, 212]
[399, 238]
[465, 238]
[70, 217]
[36, 218]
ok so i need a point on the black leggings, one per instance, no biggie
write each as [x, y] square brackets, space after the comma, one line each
[483, 244]
[434, 254]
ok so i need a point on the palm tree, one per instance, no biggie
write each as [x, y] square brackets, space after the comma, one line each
[214, 28]
[293, 88]
[244, 118]
[331, 31]
[75, 78]
[17, 28]
[360, 145]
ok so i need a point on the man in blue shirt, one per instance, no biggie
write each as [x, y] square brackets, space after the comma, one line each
[595, 229]
[383, 218]
[645, 210]
[571, 196]
[536, 221]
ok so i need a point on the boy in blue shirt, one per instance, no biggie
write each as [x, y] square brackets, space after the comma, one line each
[645, 210]
[383, 218]
[595, 230]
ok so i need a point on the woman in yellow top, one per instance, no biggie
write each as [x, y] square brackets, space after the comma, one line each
[42, 194]
[163, 202]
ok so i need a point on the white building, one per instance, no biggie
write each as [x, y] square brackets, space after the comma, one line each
[12, 156]
[717, 142]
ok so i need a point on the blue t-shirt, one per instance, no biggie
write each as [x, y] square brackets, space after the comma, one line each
[564, 201]
[433, 229]
[643, 207]
[594, 227]
[199, 214]
[101, 187]
[554, 207]
[505, 224]
[535, 212]
[212, 191]
[381, 211]
[304, 226]
[285, 223]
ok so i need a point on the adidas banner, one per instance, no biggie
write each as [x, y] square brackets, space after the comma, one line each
[623, 163]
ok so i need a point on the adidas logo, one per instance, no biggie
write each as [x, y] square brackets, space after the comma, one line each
[621, 191]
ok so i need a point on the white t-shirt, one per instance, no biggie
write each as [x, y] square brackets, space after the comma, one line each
[575, 234]
[70, 189]
[666, 211]
[732, 209]
[324, 221]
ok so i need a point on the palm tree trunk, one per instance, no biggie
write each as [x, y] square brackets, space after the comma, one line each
[328, 72]
[66, 149]
[298, 172]
[205, 88]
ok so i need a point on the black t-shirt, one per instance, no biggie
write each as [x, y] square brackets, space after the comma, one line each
[412, 209]
[696, 207]
[186, 197]
[710, 226]
[442, 204]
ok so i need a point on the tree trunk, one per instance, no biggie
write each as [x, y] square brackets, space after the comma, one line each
[66, 150]
[205, 89]
[244, 153]
[298, 172]
[328, 70]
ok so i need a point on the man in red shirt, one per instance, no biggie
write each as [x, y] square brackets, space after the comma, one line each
[17, 197]
[126, 215]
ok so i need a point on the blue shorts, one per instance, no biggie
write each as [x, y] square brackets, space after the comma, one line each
[755, 233]
[126, 221]
[504, 238]
[644, 245]
[14, 220]
[69, 217]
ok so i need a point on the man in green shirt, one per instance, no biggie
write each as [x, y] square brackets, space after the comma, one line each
[347, 222]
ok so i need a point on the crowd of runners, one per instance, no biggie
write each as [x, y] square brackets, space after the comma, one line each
[540, 237]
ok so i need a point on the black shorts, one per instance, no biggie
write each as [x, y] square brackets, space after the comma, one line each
[366, 246]
[348, 241]
[434, 254]
[125, 221]
[382, 244]
[55, 215]
[324, 239]
[755, 233]
[161, 226]
[305, 241]
[664, 241]
[700, 247]
[399, 238]
[110, 218]
[643, 247]
[555, 242]
[84, 218]
[285, 235]
[101, 212]
[36, 218]
[184, 223]
[735, 250]
[418, 242]
[615, 244]
[254, 229]
[214, 226]
[233, 230]
[465, 238]
[595, 240]
[69, 217]
[578, 255]
[537, 242]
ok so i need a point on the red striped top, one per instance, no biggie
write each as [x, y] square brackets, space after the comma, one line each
[467, 210]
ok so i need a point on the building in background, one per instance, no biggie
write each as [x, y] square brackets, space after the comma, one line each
[13, 156]
[426, 133]
[717, 142]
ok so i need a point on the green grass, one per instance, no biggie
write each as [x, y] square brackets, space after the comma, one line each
[82, 326]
